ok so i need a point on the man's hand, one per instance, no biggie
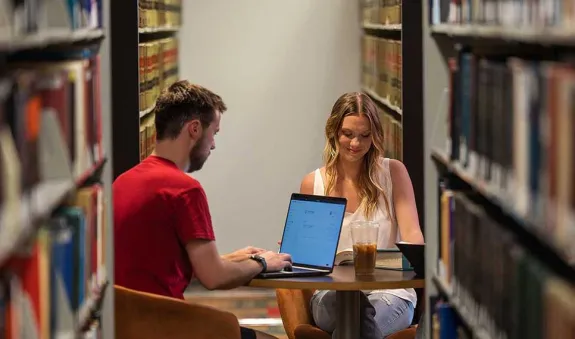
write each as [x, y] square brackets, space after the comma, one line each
[276, 261]
[243, 254]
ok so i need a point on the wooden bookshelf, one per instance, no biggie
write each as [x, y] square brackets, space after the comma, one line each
[392, 29]
[54, 268]
[146, 63]
[500, 251]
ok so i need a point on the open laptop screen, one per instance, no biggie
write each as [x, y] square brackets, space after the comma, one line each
[312, 229]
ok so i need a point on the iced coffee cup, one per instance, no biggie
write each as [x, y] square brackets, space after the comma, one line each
[364, 238]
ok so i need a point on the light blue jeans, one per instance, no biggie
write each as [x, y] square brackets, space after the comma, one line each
[382, 314]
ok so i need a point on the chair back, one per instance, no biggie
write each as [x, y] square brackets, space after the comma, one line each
[140, 315]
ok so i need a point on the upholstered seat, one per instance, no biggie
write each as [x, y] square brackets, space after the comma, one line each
[298, 321]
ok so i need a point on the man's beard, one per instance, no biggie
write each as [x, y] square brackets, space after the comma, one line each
[196, 160]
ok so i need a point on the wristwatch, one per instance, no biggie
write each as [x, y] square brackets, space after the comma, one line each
[260, 260]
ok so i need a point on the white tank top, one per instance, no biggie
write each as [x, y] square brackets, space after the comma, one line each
[388, 230]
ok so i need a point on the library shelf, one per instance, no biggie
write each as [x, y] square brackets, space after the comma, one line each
[54, 122]
[464, 314]
[151, 30]
[497, 210]
[549, 35]
[149, 35]
[382, 27]
[89, 311]
[523, 226]
[146, 112]
[50, 38]
[38, 206]
[383, 101]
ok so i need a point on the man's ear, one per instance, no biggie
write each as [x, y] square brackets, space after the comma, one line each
[195, 129]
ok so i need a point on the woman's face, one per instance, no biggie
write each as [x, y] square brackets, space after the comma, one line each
[354, 137]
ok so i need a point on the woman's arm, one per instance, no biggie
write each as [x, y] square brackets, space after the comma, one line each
[404, 203]
[306, 186]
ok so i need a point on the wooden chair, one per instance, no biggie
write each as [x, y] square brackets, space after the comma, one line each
[298, 321]
[141, 315]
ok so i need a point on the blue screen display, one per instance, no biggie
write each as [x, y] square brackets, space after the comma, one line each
[312, 232]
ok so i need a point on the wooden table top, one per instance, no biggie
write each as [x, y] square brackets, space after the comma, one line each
[343, 279]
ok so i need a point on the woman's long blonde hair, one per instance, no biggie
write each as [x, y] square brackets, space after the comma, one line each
[370, 188]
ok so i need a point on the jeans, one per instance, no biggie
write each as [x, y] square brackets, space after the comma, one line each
[381, 313]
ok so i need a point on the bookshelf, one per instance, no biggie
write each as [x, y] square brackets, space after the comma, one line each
[503, 159]
[146, 63]
[54, 197]
[391, 29]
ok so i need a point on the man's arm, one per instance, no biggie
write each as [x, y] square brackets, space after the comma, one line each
[216, 273]
[213, 272]
[194, 229]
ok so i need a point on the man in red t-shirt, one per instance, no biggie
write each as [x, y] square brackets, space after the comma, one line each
[163, 231]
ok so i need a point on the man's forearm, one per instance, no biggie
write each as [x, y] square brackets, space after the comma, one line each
[238, 273]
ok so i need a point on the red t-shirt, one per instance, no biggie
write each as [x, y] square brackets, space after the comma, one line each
[158, 209]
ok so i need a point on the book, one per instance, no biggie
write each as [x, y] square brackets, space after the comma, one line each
[520, 14]
[50, 280]
[391, 259]
[28, 18]
[386, 12]
[381, 78]
[158, 69]
[159, 13]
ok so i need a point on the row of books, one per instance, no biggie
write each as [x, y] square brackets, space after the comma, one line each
[382, 12]
[19, 19]
[535, 14]
[393, 137]
[511, 126]
[158, 69]
[507, 292]
[50, 124]
[147, 135]
[47, 283]
[382, 68]
[160, 13]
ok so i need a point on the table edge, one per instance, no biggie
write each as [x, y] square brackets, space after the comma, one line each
[336, 286]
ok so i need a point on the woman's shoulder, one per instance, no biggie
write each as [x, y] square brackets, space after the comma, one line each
[398, 173]
[308, 180]
[391, 164]
[395, 166]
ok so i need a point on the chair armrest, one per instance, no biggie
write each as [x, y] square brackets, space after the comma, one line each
[408, 333]
[306, 331]
[141, 315]
[294, 309]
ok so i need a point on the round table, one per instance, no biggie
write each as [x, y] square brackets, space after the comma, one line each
[347, 286]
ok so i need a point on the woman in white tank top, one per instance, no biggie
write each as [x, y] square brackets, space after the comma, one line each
[377, 189]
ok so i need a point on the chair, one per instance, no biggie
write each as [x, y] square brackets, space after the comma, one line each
[298, 321]
[141, 315]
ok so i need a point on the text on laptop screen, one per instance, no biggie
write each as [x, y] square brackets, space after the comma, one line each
[312, 231]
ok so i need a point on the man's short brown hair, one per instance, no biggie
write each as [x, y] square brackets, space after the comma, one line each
[181, 103]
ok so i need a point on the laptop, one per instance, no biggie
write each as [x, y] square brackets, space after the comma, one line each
[311, 234]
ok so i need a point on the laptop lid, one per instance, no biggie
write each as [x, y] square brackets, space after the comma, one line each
[312, 229]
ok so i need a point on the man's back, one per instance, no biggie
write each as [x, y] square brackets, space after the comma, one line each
[157, 209]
